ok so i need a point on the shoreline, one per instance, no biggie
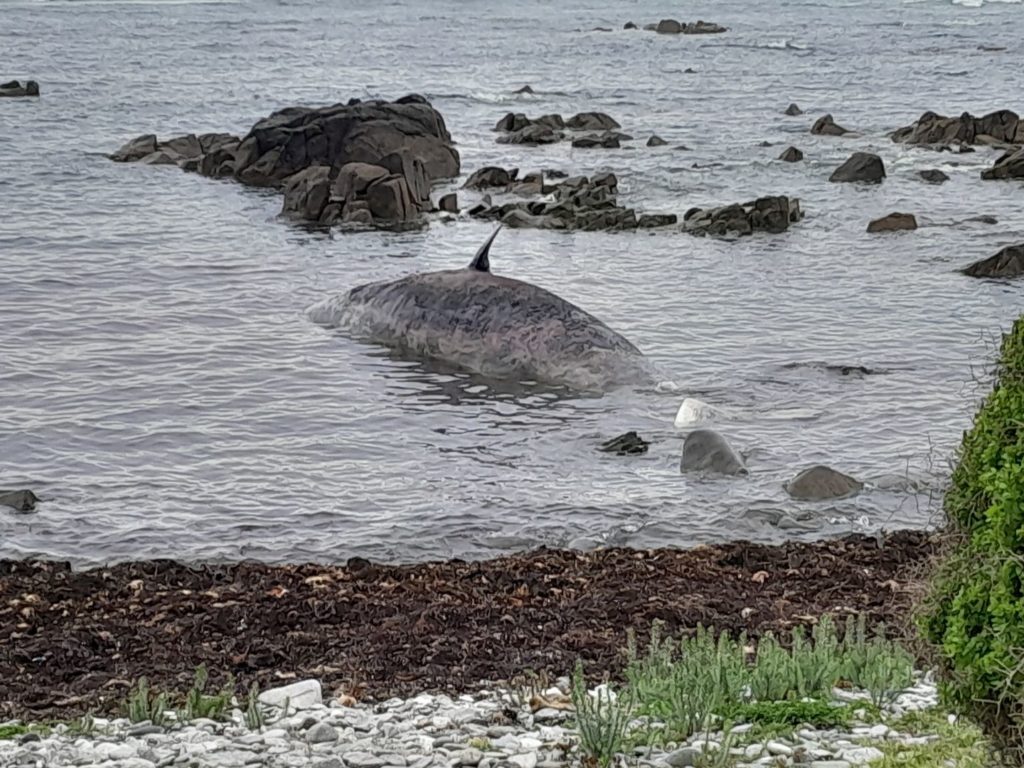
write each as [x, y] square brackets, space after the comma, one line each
[77, 640]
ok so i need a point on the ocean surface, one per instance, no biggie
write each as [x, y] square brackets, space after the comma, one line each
[165, 394]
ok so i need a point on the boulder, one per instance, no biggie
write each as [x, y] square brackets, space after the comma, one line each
[357, 214]
[653, 220]
[389, 200]
[826, 126]
[703, 28]
[535, 133]
[821, 483]
[693, 412]
[629, 444]
[513, 121]
[307, 192]
[792, 155]
[669, 27]
[354, 179]
[933, 176]
[20, 501]
[606, 140]
[629, 25]
[861, 166]
[1009, 262]
[14, 89]
[1009, 166]
[136, 149]
[160, 157]
[704, 450]
[553, 121]
[1001, 127]
[656, 141]
[490, 176]
[766, 214]
[591, 121]
[448, 203]
[793, 110]
[894, 222]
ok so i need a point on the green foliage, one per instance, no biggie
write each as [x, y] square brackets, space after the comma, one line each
[12, 731]
[791, 714]
[253, 714]
[975, 613]
[879, 666]
[601, 720]
[958, 744]
[143, 704]
[199, 704]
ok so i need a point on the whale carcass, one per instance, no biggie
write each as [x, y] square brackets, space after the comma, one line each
[490, 325]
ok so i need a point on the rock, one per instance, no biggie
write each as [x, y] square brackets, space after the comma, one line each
[862, 755]
[767, 214]
[792, 155]
[607, 140]
[354, 179]
[706, 450]
[826, 126]
[136, 149]
[625, 445]
[448, 203]
[524, 89]
[535, 133]
[490, 176]
[470, 756]
[981, 220]
[629, 25]
[861, 166]
[1003, 127]
[894, 222]
[933, 176]
[669, 27]
[321, 733]
[525, 760]
[307, 192]
[389, 200]
[1008, 263]
[684, 757]
[1009, 166]
[14, 89]
[21, 501]
[820, 483]
[591, 121]
[793, 110]
[778, 748]
[656, 141]
[301, 695]
[513, 121]
[653, 220]
[693, 411]
[357, 214]
[703, 28]
[363, 760]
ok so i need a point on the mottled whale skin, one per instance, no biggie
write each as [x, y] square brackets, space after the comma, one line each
[490, 325]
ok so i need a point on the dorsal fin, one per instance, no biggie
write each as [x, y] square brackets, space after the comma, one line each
[480, 262]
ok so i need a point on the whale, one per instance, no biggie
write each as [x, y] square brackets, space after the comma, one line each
[489, 325]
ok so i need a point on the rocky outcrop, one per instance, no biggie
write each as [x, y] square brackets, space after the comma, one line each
[766, 214]
[933, 176]
[894, 222]
[704, 450]
[20, 501]
[793, 110]
[861, 166]
[673, 27]
[821, 483]
[656, 141]
[14, 89]
[826, 126]
[517, 128]
[391, 153]
[491, 176]
[1009, 166]
[792, 155]
[1009, 262]
[1002, 127]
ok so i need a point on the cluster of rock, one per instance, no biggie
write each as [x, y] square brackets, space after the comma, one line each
[587, 130]
[369, 162]
[1009, 262]
[1009, 166]
[14, 89]
[996, 128]
[766, 214]
[673, 27]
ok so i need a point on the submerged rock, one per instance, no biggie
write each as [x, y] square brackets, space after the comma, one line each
[21, 501]
[1003, 127]
[673, 27]
[656, 141]
[820, 483]
[826, 126]
[861, 166]
[792, 155]
[14, 89]
[706, 450]
[933, 176]
[628, 444]
[1007, 263]
[766, 214]
[793, 110]
[894, 222]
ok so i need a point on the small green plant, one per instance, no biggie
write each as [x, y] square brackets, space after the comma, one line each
[12, 731]
[82, 726]
[959, 744]
[722, 756]
[253, 713]
[601, 719]
[880, 666]
[791, 714]
[200, 704]
[480, 742]
[143, 704]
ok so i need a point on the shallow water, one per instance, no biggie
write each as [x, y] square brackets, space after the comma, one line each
[162, 389]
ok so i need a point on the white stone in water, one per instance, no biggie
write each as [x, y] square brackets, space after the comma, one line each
[693, 412]
[301, 695]
[525, 760]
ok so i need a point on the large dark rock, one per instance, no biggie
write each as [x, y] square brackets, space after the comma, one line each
[407, 138]
[826, 126]
[894, 222]
[933, 176]
[513, 121]
[1009, 262]
[354, 179]
[1009, 166]
[704, 450]
[766, 214]
[534, 133]
[14, 89]
[629, 444]
[821, 483]
[606, 140]
[1002, 127]
[792, 155]
[669, 27]
[490, 176]
[591, 121]
[861, 166]
[20, 501]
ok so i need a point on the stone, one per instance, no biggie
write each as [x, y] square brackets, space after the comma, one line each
[705, 450]
[307, 192]
[301, 695]
[894, 222]
[933, 176]
[652, 220]
[533, 134]
[1000, 127]
[826, 126]
[1010, 165]
[684, 757]
[491, 176]
[20, 501]
[625, 445]
[524, 89]
[606, 141]
[778, 748]
[693, 412]
[448, 203]
[656, 141]
[354, 179]
[512, 121]
[669, 27]
[792, 155]
[321, 733]
[14, 89]
[362, 760]
[793, 110]
[389, 200]
[767, 214]
[470, 756]
[829, 764]
[1007, 263]
[820, 483]
[136, 149]
[331, 762]
[861, 755]
[862, 167]
[591, 121]
[145, 729]
[525, 760]
[629, 25]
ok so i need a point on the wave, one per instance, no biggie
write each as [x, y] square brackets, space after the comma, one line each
[771, 45]
[980, 3]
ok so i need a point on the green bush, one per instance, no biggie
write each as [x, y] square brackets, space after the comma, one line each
[975, 613]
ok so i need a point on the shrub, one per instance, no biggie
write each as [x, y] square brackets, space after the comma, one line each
[975, 613]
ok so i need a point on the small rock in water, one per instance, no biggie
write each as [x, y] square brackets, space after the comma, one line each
[933, 176]
[656, 141]
[819, 483]
[792, 155]
[706, 450]
[20, 501]
[301, 695]
[626, 445]
[861, 166]
[894, 222]
[321, 733]
[693, 411]
[793, 110]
